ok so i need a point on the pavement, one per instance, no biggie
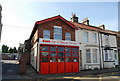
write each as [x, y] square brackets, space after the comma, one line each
[10, 73]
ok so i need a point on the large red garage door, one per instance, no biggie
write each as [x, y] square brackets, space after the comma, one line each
[58, 59]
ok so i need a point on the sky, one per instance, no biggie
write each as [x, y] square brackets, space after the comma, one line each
[19, 17]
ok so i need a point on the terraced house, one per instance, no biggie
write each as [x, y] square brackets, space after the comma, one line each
[62, 46]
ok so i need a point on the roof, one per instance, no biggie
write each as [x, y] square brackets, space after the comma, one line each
[89, 27]
[50, 19]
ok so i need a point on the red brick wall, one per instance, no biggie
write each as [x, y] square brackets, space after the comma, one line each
[34, 38]
[50, 26]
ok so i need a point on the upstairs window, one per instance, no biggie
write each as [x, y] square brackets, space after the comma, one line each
[94, 37]
[86, 37]
[106, 39]
[46, 34]
[58, 32]
[67, 36]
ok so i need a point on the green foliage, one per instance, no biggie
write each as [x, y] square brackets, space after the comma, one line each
[6, 49]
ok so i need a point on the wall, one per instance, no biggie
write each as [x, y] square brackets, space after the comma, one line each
[113, 46]
[50, 26]
[34, 53]
[90, 45]
[35, 47]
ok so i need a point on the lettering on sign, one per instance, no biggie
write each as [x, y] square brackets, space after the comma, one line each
[49, 41]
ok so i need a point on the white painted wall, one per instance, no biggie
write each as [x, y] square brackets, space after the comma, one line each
[90, 45]
[38, 58]
[33, 56]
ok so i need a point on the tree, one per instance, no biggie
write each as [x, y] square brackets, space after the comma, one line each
[5, 49]
[15, 50]
[11, 50]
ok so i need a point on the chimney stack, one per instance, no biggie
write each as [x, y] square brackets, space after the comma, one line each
[74, 18]
[85, 21]
[102, 26]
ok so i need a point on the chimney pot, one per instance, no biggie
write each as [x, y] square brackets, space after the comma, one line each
[85, 21]
[74, 18]
[102, 26]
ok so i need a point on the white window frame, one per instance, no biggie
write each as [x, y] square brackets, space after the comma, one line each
[109, 54]
[106, 39]
[88, 60]
[68, 36]
[95, 55]
[47, 34]
[58, 33]
[106, 56]
[115, 52]
[86, 37]
[95, 37]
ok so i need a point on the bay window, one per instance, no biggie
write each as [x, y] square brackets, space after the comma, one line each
[95, 56]
[88, 56]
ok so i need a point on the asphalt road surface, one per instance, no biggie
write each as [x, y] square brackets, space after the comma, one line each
[10, 67]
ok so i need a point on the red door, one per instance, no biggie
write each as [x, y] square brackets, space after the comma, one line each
[75, 67]
[61, 67]
[53, 67]
[68, 67]
[44, 69]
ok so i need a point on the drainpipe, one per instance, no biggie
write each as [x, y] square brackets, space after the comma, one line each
[102, 50]
[99, 50]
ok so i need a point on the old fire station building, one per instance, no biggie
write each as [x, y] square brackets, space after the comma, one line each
[54, 49]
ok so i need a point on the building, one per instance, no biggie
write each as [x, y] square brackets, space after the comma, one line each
[21, 48]
[61, 46]
[53, 46]
[98, 46]
[109, 51]
[118, 44]
[88, 39]
[0, 21]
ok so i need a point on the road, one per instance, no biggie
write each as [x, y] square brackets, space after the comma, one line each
[10, 67]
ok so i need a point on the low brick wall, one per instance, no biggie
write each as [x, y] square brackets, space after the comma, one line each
[23, 63]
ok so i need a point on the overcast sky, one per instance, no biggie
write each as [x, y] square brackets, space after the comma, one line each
[18, 17]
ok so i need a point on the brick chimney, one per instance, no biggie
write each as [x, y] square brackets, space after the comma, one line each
[74, 18]
[102, 26]
[85, 21]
